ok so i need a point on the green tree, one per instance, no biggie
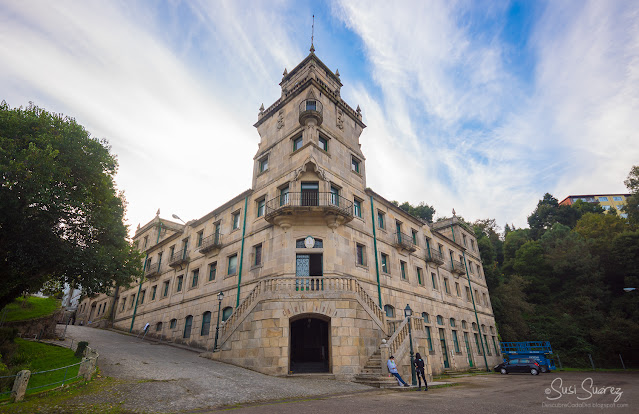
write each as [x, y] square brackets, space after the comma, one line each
[61, 218]
[422, 210]
[632, 203]
[549, 212]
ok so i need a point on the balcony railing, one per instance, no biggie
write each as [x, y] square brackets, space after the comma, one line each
[404, 241]
[457, 267]
[214, 241]
[311, 108]
[310, 201]
[152, 270]
[434, 256]
[178, 258]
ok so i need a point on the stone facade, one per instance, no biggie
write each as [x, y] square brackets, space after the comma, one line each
[315, 268]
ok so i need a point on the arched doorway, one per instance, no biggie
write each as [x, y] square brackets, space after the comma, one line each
[309, 349]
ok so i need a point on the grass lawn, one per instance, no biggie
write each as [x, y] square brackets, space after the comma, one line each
[36, 356]
[34, 308]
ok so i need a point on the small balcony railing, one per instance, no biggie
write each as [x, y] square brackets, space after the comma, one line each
[434, 256]
[152, 270]
[457, 267]
[214, 241]
[404, 241]
[311, 109]
[309, 201]
[179, 258]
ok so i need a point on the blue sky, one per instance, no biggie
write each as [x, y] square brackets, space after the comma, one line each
[479, 106]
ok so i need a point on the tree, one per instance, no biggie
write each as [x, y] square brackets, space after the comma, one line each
[422, 210]
[549, 212]
[632, 203]
[61, 219]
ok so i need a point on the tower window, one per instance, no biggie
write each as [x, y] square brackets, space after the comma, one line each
[264, 164]
[323, 143]
[355, 164]
[297, 143]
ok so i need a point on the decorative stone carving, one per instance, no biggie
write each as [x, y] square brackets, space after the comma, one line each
[310, 161]
[340, 119]
[280, 120]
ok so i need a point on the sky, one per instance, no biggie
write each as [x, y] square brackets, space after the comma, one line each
[480, 106]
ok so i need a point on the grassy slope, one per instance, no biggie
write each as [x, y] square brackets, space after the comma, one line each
[34, 308]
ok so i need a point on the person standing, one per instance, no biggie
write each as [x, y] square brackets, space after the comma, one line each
[418, 362]
[392, 368]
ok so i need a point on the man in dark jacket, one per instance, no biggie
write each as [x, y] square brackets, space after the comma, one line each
[419, 369]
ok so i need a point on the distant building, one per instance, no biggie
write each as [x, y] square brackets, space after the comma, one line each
[316, 269]
[609, 202]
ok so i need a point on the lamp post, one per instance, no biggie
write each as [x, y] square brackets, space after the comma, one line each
[175, 216]
[408, 312]
[220, 296]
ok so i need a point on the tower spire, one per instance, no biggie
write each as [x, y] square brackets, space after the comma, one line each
[312, 35]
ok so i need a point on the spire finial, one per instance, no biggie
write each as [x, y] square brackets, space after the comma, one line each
[313, 35]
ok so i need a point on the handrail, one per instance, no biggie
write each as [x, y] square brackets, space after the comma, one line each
[214, 239]
[179, 255]
[309, 200]
[395, 341]
[152, 269]
[405, 240]
[433, 255]
[457, 266]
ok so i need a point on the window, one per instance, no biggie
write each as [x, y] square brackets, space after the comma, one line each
[212, 271]
[603, 198]
[433, 280]
[425, 317]
[158, 327]
[446, 286]
[297, 143]
[257, 251]
[440, 320]
[132, 301]
[171, 252]
[200, 236]
[261, 205]
[357, 208]
[188, 322]
[154, 290]
[402, 267]
[226, 313]
[414, 237]
[464, 240]
[235, 218]
[457, 289]
[165, 291]
[495, 345]
[428, 337]
[334, 195]
[180, 279]
[607, 208]
[142, 295]
[390, 311]
[617, 198]
[232, 264]
[439, 247]
[263, 164]
[456, 341]
[323, 143]
[355, 164]
[474, 326]
[477, 294]
[477, 343]
[468, 298]
[470, 267]
[485, 299]
[472, 244]
[452, 322]
[419, 276]
[195, 276]
[464, 325]
[385, 263]
[380, 219]
[360, 253]
[173, 324]
[146, 241]
[487, 347]
[284, 196]
[206, 323]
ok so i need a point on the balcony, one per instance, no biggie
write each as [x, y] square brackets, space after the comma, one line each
[179, 258]
[404, 241]
[435, 257]
[152, 270]
[214, 241]
[287, 209]
[311, 109]
[457, 267]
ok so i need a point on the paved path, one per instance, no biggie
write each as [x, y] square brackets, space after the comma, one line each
[160, 378]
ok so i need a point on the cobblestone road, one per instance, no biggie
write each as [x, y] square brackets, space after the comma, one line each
[160, 378]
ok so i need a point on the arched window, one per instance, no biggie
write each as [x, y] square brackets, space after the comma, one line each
[173, 324]
[226, 313]
[452, 322]
[464, 325]
[440, 320]
[492, 330]
[187, 326]
[425, 317]
[158, 326]
[390, 311]
[474, 326]
[483, 328]
[206, 323]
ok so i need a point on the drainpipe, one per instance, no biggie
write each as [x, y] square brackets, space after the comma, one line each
[137, 298]
[239, 277]
[379, 288]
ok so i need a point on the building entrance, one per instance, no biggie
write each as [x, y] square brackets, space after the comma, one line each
[309, 345]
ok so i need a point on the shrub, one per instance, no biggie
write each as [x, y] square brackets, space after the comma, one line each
[79, 351]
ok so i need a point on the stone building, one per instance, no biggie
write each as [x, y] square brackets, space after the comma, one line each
[315, 268]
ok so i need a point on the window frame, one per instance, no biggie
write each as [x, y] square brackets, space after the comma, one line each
[228, 265]
[298, 142]
[263, 164]
[261, 206]
[384, 260]
[235, 220]
[355, 164]
[212, 271]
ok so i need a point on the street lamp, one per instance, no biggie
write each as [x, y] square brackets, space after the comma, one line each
[408, 312]
[175, 216]
[220, 296]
